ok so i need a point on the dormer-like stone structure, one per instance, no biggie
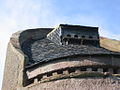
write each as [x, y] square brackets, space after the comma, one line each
[75, 34]
[68, 57]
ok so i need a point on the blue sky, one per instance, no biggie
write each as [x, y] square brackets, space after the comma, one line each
[18, 15]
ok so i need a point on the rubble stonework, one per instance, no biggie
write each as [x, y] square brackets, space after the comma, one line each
[68, 57]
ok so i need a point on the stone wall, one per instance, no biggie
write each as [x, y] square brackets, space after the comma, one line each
[55, 36]
[13, 73]
[79, 84]
[74, 62]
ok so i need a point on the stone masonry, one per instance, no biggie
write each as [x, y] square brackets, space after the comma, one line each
[68, 57]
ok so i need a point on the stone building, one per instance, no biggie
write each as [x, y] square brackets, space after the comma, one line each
[68, 57]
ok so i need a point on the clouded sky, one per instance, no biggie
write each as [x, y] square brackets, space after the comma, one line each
[18, 15]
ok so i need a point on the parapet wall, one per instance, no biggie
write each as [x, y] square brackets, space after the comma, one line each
[16, 59]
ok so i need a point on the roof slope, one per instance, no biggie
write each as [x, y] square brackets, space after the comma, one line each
[44, 50]
[110, 44]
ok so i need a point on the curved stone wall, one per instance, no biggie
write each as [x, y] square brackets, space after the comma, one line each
[79, 84]
[72, 67]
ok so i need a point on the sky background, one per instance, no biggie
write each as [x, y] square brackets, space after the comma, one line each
[18, 15]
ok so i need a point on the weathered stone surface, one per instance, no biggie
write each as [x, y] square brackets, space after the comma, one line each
[13, 73]
[68, 63]
[79, 84]
[31, 47]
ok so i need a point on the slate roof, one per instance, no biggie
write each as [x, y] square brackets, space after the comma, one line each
[44, 50]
